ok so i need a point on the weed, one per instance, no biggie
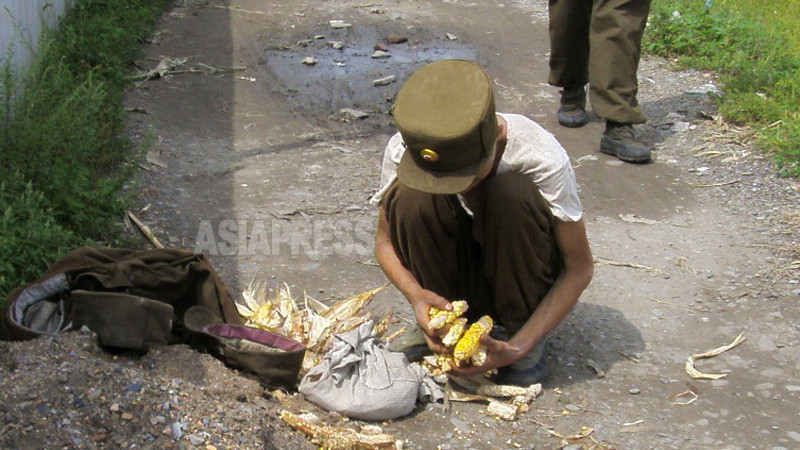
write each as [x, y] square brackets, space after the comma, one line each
[759, 70]
[63, 156]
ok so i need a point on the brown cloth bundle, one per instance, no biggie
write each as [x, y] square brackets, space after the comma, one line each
[139, 299]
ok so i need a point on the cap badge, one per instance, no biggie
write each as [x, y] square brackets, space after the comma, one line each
[429, 155]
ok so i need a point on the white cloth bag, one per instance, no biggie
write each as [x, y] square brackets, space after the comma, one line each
[363, 380]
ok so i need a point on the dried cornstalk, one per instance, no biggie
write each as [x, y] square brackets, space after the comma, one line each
[145, 230]
[694, 373]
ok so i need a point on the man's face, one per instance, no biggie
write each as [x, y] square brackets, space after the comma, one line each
[485, 169]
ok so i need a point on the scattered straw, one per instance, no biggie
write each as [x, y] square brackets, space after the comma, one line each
[694, 373]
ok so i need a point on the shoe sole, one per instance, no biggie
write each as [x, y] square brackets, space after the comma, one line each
[582, 120]
[573, 124]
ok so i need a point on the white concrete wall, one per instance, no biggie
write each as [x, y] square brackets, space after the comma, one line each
[21, 22]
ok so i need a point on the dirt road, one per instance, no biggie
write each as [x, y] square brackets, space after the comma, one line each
[258, 166]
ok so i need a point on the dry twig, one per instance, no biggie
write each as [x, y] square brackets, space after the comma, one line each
[653, 271]
[145, 230]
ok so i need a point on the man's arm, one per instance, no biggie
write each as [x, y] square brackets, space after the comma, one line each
[576, 273]
[421, 299]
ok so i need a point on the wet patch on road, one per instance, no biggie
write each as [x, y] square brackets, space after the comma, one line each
[338, 65]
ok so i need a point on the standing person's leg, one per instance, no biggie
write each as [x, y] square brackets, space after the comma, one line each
[616, 35]
[569, 23]
[515, 226]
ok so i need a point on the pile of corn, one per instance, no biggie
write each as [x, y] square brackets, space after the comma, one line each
[465, 341]
[314, 324]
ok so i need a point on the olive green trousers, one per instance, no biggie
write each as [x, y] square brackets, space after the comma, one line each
[502, 261]
[599, 42]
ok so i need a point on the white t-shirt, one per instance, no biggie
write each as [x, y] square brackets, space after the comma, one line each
[530, 150]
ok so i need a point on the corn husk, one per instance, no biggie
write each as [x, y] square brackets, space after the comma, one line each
[313, 324]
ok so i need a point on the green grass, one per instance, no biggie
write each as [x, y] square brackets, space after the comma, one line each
[755, 48]
[63, 156]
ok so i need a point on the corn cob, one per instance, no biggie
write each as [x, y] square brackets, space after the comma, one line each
[445, 362]
[454, 332]
[500, 390]
[501, 410]
[469, 343]
[479, 357]
[441, 317]
[329, 437]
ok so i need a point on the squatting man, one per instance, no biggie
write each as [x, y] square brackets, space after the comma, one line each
[480, 206]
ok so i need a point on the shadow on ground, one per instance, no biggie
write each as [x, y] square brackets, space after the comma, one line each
[588, 343]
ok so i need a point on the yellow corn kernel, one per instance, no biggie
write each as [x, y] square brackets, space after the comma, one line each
[445, 362]
[470, 341]
[454, 332]
[441, 317]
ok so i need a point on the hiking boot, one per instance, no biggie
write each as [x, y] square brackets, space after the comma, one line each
[527, 371]
[618, 140]
[532, 368]
[572, 112]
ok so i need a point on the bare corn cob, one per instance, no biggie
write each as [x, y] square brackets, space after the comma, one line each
[440, 317]
[479, 357]
[454, 332]
[501, 410]
[469, 343]
[501, 390]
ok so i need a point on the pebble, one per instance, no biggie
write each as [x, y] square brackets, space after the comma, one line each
[339, 24]
[794, 435]
[176, 430]
[634, 391]
[309, 61]
[353, 113]
[380, 54]
[385, 81]
[95, 394]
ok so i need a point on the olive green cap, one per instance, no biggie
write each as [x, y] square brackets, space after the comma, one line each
[445, 114]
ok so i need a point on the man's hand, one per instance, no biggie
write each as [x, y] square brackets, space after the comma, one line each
[498, 354]
[422, 300]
